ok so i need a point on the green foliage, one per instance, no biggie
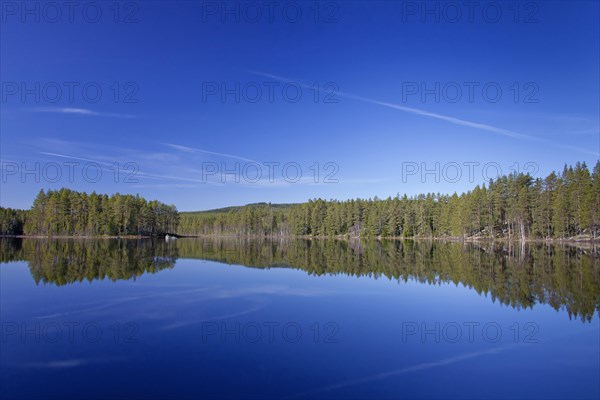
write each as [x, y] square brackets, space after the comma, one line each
[66, 213]
[12, 221]
[253, 219]
[514, 207]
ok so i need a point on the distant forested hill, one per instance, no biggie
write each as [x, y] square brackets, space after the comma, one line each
[282, 207]
[257, 218]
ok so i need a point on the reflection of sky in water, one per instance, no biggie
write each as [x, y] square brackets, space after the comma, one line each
[175, 354]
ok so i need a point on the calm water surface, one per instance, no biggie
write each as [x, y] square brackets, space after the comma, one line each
[297, 319]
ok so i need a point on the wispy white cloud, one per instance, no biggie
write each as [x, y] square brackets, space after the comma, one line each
[73, 158]
[67, 110]
[591, 131]
[183, 323]
[432, 115]
[137, 173]
[413, 368]
[70, 363]
[166, 186]
[195, 150]
[179, 172]
[81, 111]
[117, 152]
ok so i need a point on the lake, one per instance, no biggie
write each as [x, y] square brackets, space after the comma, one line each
[239, 318]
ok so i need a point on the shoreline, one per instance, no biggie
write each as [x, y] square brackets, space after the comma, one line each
[77, 237]
[307, 237]
[436, 238]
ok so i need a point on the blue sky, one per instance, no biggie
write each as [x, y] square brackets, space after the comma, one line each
[176, 92]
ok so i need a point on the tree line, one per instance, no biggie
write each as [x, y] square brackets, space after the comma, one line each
[66, 212]
[516, 207]
[260, 219]
[12, 221]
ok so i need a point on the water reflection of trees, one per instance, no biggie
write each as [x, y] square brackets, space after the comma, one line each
[564, 277]
[66, 261]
